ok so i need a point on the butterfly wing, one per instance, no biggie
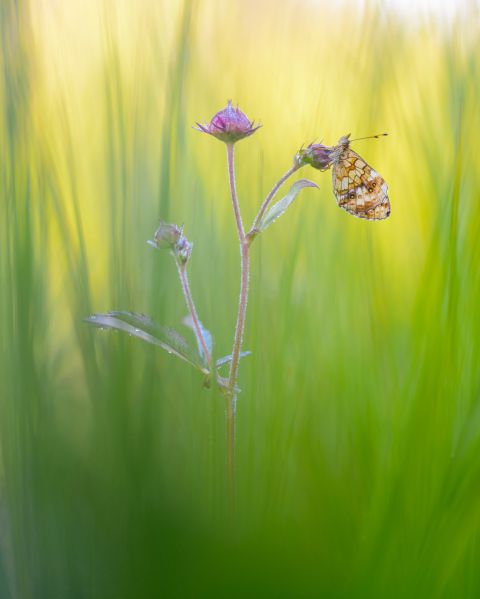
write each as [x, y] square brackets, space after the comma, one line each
[359, 189]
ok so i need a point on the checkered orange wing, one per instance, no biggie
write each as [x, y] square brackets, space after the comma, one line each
[359, 189]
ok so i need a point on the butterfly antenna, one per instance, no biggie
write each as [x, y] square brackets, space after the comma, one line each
[370, 137]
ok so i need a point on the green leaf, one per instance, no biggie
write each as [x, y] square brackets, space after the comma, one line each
[207, 336]
[227, 359]
[281, 206]
[144, 328]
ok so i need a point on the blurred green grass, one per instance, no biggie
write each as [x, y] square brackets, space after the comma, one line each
[359, 423]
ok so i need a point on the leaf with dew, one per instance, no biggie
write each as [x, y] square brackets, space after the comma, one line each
[144, 328]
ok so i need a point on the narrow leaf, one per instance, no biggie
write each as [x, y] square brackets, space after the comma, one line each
[281, 206]
[227, 359]
[144, 328]
[207, 336]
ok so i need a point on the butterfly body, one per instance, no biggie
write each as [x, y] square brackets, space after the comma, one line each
[358, 189]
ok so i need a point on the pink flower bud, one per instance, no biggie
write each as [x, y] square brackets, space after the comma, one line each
[229, 125]
[317, 155]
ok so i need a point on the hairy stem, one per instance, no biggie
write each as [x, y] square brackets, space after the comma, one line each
[233, 191]
[242, 312]
[239, 328]
[182, 272]
[230, 422]
[270, 196]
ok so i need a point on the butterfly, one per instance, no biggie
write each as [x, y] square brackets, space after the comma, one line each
[359, 189]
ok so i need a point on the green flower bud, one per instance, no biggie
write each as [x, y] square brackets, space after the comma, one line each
[170, 236]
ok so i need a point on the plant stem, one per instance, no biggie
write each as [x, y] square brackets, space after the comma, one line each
[245, 241]
[230, 422]
[239, 328]
[233, 191]
[242, 311]
[182, 272]
[270, 196]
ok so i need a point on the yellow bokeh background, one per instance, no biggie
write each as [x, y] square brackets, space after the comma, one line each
[358, 425]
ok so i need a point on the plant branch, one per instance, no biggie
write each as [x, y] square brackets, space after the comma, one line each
[182, 273]
[270, 196]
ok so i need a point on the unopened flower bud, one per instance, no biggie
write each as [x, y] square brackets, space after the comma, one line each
[317, 155]
[229, 125]
[167, 235]
[170, 236]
